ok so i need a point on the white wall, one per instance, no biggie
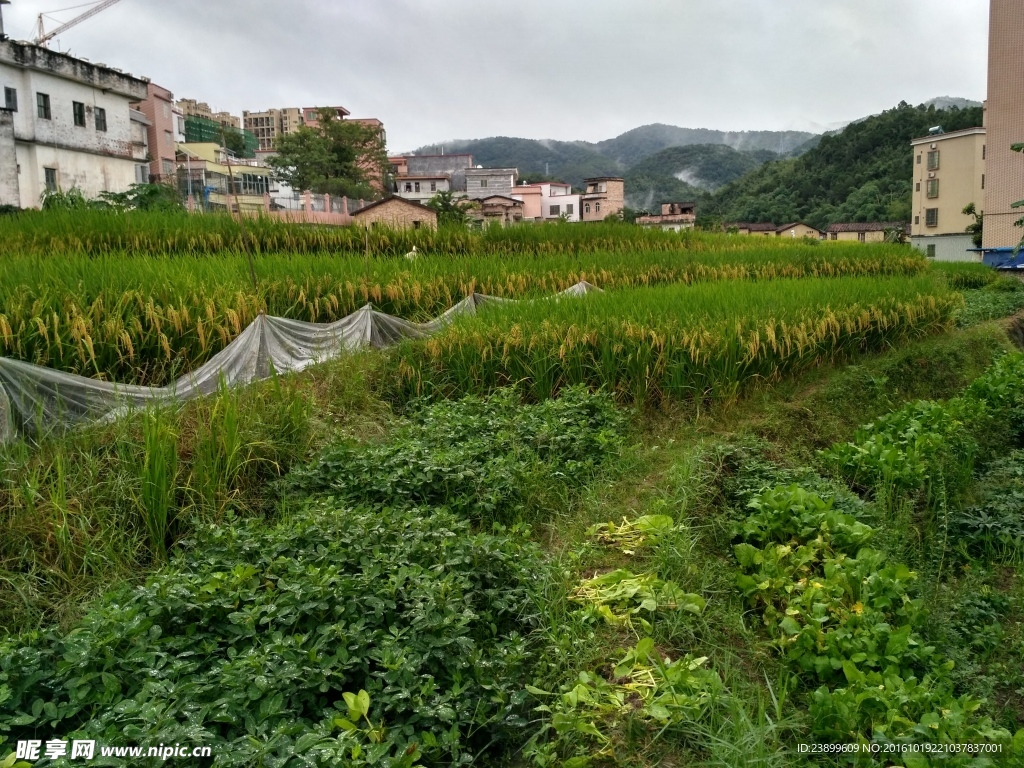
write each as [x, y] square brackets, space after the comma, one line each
[93, 160]
[92, 174]
[947, 247]
[425, 194]
[562, 201]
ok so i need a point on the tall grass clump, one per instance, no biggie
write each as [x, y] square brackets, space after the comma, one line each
[86, 508]
[158, 481]
[962, 276]
[673, 342]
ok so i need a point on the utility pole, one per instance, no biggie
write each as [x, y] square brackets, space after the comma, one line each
[2, 4]
[241, 219]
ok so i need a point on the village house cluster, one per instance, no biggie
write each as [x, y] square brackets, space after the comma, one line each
[67, 123]
[496, 194]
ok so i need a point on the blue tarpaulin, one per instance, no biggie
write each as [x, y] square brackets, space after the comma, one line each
[1001, 258]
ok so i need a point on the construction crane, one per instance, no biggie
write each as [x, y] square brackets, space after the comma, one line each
[43, 37]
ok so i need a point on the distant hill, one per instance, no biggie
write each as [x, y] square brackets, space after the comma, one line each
[573, 161]
[851, 173]
[686, 173]
[862, 173]
[568, 161]
[635, 145]
[951, 102]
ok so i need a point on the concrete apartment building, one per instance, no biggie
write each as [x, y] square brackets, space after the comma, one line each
[558, 202]
[531, 196]
[165, 131]
[422, 189]
[674, 217]
[140, 125]
[605, 196]
[65, 123]
[193, 108]
[452, 166]
[204, 179]
[485, 182]
[1004, 120]
[311, 115]
[949, 174]
[270, 124]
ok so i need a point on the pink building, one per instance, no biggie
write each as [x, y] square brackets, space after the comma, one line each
[548, 201]
[531, 196]
[166, 129]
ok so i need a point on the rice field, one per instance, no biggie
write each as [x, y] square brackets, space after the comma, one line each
[97, 233]
[145, 317]
[675, 341]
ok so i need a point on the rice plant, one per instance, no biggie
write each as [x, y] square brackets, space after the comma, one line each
[674, 342]
[159, 473]
[97, 233]
[146, 319]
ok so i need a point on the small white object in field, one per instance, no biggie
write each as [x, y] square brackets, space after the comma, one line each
[413, 254]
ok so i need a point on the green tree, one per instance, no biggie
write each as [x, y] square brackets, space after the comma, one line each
[863, 173]
[234, 141]
[144, 197]
[975, 228]
[451, 211]
[630, 215]
[337, 157]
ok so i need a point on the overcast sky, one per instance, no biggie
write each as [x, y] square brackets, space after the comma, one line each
[577, 69]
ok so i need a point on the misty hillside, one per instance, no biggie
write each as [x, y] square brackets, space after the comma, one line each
[573, 161]
[862, 173]
[678, 174]
[639, 143]
[567, 161]
[666, 163]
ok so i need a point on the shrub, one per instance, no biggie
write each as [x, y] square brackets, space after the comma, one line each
[930, 448]
[842, 613]
[249, 643]
[480, 457]
[993, 528]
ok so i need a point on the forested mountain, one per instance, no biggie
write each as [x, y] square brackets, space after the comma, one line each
[635, 145]
[862, 173]
[573, 161]
[568, 161]
[686, 173]
[859, 173]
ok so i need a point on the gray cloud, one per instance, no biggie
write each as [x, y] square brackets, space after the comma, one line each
[580, 69]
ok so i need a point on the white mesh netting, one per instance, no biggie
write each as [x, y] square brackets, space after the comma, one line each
[35, 399]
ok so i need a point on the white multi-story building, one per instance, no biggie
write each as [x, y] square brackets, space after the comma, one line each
[557, 201]
[423, 188]
[548, 201]
[65, 123]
